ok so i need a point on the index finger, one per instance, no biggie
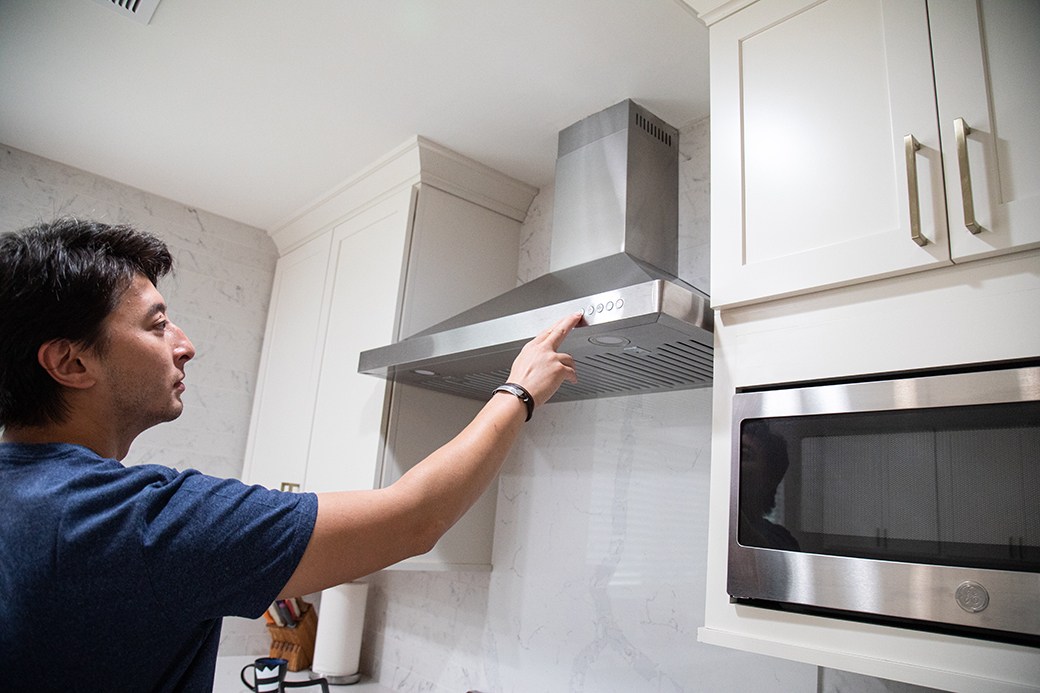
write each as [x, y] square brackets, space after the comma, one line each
[558, 332]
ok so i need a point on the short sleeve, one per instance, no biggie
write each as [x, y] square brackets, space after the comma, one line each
[218, 547]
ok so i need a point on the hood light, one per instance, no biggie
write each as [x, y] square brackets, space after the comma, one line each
[608, 341]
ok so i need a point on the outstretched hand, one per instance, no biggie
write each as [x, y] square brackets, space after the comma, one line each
[539, 368]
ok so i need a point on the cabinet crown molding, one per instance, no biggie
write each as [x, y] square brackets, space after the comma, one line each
[711, 11]
[415, 161]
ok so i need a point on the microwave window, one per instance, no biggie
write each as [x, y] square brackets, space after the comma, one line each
[944, 486]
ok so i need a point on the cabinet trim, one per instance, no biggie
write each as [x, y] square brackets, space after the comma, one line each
[416, 160]
[930, 677]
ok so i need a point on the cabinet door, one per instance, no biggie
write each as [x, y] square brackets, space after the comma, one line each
[420, 422]
[987, 76]
[811, 107]
[460, 255]
[284, 402]
[366, 266]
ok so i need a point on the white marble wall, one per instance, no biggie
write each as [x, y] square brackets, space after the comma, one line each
[218, 295]
[600, 542]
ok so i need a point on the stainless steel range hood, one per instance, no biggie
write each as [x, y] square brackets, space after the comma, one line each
[614, 256]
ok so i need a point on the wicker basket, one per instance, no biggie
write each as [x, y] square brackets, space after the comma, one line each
[296, 644]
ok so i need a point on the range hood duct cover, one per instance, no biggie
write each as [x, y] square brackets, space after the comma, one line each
[614, 256]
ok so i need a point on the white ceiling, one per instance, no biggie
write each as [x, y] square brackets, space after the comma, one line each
[252, 109]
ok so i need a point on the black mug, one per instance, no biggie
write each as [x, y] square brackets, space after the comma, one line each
[269, 677]
[268, 674]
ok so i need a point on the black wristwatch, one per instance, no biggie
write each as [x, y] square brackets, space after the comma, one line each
[519, 391]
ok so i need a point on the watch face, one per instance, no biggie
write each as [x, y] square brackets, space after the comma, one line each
[521, 393]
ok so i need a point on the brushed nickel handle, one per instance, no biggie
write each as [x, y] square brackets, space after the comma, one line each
[961, 132]
[910, 147]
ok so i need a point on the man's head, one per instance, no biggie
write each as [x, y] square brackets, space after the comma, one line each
[764, 462]
[59, 281]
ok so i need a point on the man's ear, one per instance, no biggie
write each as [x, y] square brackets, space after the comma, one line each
[62, 359]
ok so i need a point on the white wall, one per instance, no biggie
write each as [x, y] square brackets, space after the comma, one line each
[600, 542]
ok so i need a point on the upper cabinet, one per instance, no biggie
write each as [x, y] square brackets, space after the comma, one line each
[987, 77]
[282, 404]
[831, 163]
[419, 237]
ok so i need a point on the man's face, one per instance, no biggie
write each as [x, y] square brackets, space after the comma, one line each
[758, 475]
[142, 367]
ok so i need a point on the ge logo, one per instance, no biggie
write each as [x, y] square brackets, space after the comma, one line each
[972, 597]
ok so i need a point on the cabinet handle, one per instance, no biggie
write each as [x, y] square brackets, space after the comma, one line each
[961, 132]
[910, 147]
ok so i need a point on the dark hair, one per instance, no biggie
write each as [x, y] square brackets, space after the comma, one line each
[774, 461]
[60, 280]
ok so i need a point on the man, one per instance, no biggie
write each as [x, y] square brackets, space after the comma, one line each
[116, 578]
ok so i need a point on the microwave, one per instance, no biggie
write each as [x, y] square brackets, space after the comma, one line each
[909, 499]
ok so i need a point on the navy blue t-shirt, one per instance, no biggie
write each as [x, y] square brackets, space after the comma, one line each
[115, 578]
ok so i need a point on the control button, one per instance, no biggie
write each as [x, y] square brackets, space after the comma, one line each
[590, 309]
[599, 307]
[610, 305]
[972, 597]
[620, 303]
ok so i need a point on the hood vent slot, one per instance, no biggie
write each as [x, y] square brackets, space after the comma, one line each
[654, 130]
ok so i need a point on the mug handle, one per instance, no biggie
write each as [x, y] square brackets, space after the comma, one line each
[242, 675]
[323, 682]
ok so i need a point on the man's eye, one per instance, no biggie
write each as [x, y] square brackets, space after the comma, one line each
[161, 325]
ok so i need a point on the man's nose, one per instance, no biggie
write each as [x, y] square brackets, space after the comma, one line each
[183, 348]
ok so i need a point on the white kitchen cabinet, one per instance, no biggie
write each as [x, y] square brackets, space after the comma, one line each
[421, 421]
[987, 76]
[365, 278]
[811, 102]
[827, 152]
[420, 236]
[452, 267]
[284, 400]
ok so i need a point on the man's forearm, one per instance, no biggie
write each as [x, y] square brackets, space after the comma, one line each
[451, 479]
[359, 532]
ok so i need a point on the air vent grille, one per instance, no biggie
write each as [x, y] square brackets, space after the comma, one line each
[653, 129]
[139, 10]
[678, 365]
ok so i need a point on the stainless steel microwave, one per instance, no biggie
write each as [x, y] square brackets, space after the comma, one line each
[911, 499]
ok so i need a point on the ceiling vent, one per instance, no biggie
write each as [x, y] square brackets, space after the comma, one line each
[139, 10]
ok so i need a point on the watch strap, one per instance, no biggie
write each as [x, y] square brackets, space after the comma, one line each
[521, 393]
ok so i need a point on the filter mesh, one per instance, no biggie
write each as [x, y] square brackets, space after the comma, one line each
[677, 365]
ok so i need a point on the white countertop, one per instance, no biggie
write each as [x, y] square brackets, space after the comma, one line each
[227, 679]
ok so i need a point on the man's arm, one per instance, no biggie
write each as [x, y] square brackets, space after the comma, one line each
[360, 532]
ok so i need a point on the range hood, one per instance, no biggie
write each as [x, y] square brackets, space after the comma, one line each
[614, 255]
